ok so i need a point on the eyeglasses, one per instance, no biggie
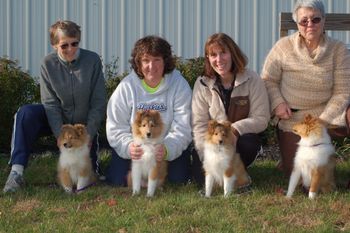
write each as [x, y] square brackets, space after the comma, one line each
[305, 22]
[66, 45]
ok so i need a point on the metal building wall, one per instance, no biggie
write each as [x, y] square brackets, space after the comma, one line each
[111, 27]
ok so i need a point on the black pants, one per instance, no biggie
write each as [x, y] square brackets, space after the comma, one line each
[248, 146]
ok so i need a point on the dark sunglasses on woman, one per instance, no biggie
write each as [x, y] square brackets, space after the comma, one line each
[66, 45]
[305, 22]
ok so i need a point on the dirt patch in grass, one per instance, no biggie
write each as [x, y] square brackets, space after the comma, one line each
[302, 220]
[343, 221]
[26, 205]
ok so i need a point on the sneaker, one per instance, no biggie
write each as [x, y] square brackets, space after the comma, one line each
[14, 182]
[201, 193]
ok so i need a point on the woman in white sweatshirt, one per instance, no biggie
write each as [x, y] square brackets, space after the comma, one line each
[154, 84]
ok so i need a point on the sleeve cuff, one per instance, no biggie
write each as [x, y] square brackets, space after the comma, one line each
[235, 132]
[166, 156]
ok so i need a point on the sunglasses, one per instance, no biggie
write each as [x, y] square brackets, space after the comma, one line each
[73, 44]
[305, 22]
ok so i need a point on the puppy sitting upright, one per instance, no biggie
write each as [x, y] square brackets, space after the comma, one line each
[314, 162]
[74, 165]
[147, 131]
[221, 163]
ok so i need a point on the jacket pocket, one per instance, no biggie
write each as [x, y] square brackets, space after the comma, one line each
[238, 109]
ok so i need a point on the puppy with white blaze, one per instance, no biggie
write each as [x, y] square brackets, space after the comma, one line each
[147, 131]
[314, 161]
[222, 165]
[74, 164]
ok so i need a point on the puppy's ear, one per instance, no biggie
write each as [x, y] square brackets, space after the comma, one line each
[308, 118]
[81, 129]
[211, 126]
[138, 117]
[227, 124]
[157, 117]
[152, 112]
[66, 126]
[61, 135]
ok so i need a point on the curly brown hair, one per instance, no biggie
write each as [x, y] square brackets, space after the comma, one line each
[223, 41]
[68, 28]
[154, 46]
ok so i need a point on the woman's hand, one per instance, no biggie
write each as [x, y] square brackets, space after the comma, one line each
[135, 151]
[283, 111]
[160, 152]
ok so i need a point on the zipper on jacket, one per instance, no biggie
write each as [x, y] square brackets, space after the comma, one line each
[225, 97]
[72, 90]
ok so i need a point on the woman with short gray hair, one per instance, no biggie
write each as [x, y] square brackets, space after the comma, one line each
[307, 73]
[72, 90]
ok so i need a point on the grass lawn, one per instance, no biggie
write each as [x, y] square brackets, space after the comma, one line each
[42, 206]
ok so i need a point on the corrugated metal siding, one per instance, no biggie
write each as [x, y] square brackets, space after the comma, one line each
[111, 27]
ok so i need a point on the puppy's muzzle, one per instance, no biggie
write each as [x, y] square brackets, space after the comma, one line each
[67, 145]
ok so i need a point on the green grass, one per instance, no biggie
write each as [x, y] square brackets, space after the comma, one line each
[42, 206]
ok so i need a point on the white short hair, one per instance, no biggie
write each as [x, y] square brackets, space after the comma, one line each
[314, 4]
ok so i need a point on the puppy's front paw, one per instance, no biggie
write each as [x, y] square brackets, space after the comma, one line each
[149, 195]
[227, 195]
[68, 190]
[312, 195]
[207, 195]
[135, 193]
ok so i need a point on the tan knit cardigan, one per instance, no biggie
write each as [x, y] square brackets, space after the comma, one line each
[319, 85]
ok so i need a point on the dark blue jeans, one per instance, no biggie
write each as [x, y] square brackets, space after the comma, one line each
[178, 169]
[31, 123]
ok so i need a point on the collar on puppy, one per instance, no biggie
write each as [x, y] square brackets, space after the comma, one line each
[319, 144]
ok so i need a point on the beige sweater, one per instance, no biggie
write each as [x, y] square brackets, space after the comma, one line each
[318, 85]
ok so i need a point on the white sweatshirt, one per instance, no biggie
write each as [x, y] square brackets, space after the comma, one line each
[172, 100]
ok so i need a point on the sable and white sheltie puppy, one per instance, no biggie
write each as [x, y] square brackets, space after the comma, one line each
[74, 164]
[314, 162]
[147, 131]
[222, 165]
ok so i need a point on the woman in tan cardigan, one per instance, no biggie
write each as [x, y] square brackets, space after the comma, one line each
[307, 72]
[228, 91]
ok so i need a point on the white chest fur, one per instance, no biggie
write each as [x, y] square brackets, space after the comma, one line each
[147, 161]
[309, 157]
[216, 160]
[74, 159]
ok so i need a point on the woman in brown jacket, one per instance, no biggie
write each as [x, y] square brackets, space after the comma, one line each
[228, 91]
